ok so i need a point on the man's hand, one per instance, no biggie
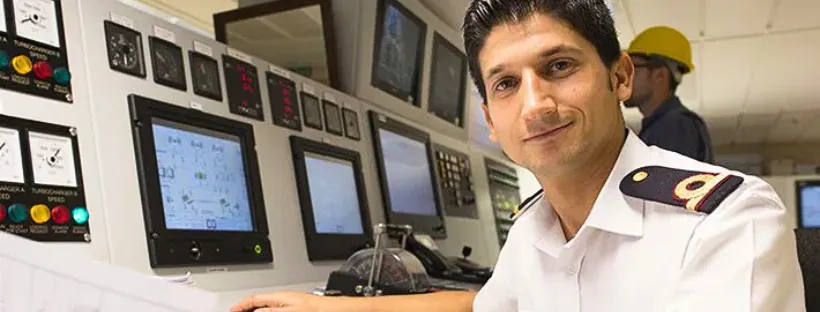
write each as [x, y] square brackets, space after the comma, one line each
[285, 302]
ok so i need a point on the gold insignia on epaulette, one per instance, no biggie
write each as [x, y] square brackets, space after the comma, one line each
[694, 196]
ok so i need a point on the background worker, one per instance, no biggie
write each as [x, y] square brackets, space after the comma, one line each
[662, 56]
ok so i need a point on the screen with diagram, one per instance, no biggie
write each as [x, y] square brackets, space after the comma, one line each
[809, 205]
[407, 169]
[333, 194]
[202, 178]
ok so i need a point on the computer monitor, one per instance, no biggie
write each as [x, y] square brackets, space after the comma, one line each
[808, 203]
[447, 82]
[407, 180]
[201, 190]
[398, 51]
[332, 198]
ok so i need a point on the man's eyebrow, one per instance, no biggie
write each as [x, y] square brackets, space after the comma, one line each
[546, 53]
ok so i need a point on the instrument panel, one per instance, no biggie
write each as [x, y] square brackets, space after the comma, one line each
[455, 182]
[169, 69]
[242, 80]
[41, 187]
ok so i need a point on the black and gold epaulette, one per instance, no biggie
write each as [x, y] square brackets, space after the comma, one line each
[695, 191]
[526, 204]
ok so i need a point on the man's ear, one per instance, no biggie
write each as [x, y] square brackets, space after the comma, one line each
[489, 119]
[622, 77]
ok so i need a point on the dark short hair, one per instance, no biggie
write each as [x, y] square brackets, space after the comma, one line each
[590, 18]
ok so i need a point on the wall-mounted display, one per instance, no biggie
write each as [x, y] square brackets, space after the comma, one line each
[398, 51]
[447, 82]
[333, 118]
[124, 49]
[166, 59]
[242, 82]
[351, 120]
[312, 111]
[205, 76]
[284, 102]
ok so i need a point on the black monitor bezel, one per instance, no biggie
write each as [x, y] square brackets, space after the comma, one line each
[431, 225]
[798, 186]
[375, 81]
[440, 41]
[321, 246]
[142, 110]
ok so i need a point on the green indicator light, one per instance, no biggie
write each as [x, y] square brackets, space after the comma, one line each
[257, 249]
[62, 76]
[80, 215]
[18, 213]
[4, 59]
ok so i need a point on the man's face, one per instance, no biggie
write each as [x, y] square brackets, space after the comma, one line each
[551, 102]
[642, 83]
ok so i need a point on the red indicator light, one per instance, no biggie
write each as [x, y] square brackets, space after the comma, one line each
[60, 214]
[42, 70]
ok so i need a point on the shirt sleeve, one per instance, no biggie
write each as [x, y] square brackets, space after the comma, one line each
[677, 133]
[742, 257]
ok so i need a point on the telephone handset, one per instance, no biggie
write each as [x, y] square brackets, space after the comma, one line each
[437, 265]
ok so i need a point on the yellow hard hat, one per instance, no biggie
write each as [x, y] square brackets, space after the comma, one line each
[666, 42]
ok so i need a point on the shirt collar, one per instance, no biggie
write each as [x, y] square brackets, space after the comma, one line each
[611, 211]
[667, 106]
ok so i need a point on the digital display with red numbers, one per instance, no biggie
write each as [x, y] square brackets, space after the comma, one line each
[242, 81]
[284, 101]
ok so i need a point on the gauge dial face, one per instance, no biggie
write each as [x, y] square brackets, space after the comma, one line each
[124, 49]
[205, 72]
[168, 67]
[52, 159]
[37, 20]
[11, 156]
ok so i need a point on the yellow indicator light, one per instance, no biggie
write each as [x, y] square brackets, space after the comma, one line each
[40, 214]
[21, 64]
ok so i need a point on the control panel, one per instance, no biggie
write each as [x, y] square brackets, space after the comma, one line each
[455, 182]
[504, 195]
[41, 186]
[242, 80]
[33, 54]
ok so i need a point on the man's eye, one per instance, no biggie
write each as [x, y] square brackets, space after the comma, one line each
[559, 66]
[504, 84]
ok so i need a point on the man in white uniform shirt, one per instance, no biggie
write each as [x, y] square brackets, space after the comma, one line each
[618, 225]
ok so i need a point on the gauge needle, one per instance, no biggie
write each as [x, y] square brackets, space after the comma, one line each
[57, 152]
[3, 145]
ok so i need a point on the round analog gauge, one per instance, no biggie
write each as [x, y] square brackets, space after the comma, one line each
[167, 63]
[52, 159]
[125, 51]
[11, 159]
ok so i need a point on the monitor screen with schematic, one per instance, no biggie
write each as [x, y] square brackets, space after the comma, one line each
[200, 184]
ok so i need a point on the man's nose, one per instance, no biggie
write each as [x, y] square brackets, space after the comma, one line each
[537, 98]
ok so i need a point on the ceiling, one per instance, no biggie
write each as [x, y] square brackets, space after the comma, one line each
[755, 62]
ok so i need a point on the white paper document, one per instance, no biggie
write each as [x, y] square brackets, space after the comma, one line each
[34, 279]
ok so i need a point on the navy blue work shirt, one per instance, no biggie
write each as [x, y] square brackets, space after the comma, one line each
[676, 128]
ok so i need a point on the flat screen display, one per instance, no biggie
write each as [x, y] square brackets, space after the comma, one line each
[202, 178]
[399, 43]
[809, 206]
[333, 194]
[447, 82]
[407, 169]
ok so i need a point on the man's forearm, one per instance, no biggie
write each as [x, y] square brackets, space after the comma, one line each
[444, 301]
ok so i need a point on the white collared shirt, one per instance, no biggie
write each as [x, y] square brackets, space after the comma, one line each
[635, 255]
